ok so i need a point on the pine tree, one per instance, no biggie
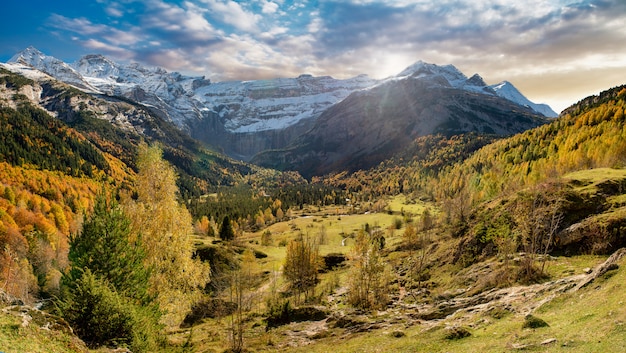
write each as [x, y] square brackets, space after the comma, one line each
[226, 230]
[104, 296]
[105, 249]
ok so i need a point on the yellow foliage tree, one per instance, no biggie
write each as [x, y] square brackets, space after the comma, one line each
[166, 228]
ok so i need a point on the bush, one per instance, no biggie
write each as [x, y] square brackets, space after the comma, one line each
[101, 316]
[531, 321]
[211, 308]
[278, 313]
[281, 313]
[266, 238]
[397, 223]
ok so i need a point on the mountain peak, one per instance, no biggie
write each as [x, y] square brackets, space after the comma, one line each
[52, 66]
[422, 69]
[28, 56]
[506, 89]
[476, 80]
[96, 65]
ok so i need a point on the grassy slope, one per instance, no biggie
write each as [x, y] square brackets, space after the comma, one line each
[591, 320]
[15, 337]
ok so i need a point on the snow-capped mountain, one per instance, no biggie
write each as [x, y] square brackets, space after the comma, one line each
[450, 76]
[243, 106]
[505, 89]
[372, 125]
[244, 117]
[53, 67]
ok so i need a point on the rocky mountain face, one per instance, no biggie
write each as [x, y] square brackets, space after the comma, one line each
[371, 125]
[116, 126]
[244, 118]
[241, 117]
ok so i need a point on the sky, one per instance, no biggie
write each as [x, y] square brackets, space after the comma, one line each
[554, 51]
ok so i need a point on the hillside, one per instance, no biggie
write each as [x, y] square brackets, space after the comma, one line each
[117, 126]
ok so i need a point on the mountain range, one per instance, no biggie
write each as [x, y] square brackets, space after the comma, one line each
[245, 119]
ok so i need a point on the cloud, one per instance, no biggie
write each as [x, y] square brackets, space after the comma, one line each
[114, 11]
[269, 7]
[225, 39]
[86, 29]
[181, 27]
[232, 13]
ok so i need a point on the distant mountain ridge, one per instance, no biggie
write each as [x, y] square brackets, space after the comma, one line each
[372, 125]
[243, 118]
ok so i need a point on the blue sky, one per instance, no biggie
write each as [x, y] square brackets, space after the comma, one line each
[554, 51]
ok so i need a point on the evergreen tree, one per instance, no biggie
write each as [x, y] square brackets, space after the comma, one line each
[226, 231]
[104, 296]
[105, 249]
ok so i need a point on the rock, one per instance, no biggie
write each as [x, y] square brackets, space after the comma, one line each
[456, 333]
[520, 346]
[587, 270]
[548, 341]
[397, 334]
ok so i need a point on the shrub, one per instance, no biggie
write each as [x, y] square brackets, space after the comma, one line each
[266, 238]
[101, 316]
[281, 313]
[531, 321]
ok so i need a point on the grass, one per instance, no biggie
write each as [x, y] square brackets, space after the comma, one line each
[596, 175]
[589, 179]
[15, 338]
[589, 320]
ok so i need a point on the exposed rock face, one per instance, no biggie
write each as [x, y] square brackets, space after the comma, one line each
[371, 125]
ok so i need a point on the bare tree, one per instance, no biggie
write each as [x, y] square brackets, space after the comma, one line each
[540, 219]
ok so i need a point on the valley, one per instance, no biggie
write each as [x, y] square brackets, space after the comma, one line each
[424, 212]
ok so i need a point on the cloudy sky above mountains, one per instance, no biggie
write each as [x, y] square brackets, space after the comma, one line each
[554, 51]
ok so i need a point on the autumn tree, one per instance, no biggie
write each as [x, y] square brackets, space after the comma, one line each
[240, 291]
[367, 286]
[540, 217]
[266, 238]
[423, 240]
[166, 228]
[301, 266]
[202, 226]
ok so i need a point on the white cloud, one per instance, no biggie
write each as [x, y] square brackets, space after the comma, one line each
[269, 7]
[100, 47]
[316, 23]
[114, 11]
[233, 14]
